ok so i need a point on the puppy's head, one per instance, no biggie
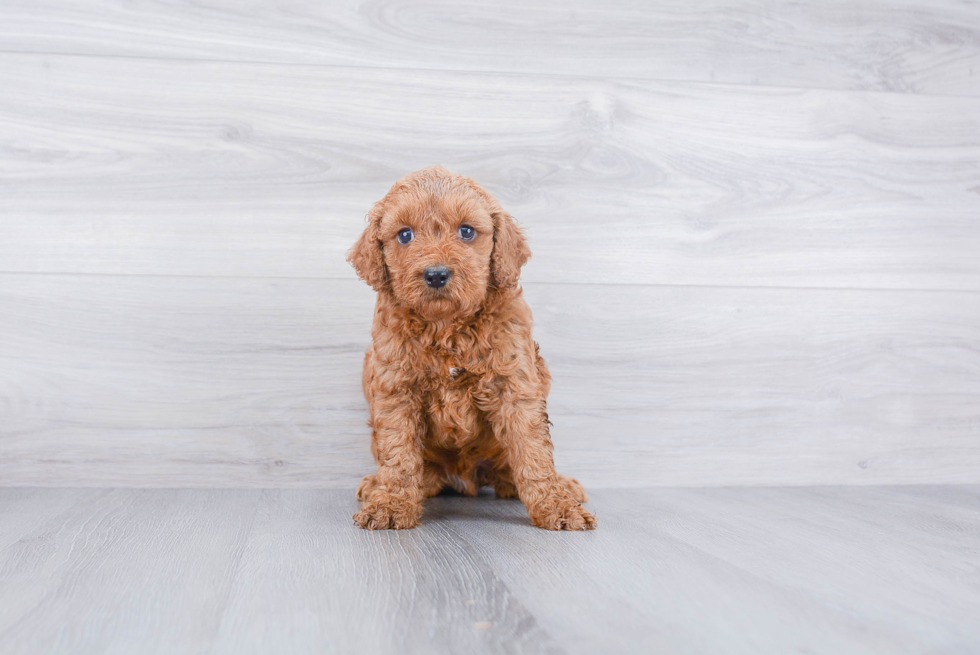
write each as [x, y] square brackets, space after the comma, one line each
[438, 242]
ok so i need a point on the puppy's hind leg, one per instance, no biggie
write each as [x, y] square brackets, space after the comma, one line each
[367, 485]
[434, 479]
[499, 477]
[504, 489]
[574, 487]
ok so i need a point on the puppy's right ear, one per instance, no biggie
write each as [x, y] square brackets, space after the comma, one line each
[367, 255]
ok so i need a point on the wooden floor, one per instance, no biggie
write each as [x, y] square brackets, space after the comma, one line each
[832, 570]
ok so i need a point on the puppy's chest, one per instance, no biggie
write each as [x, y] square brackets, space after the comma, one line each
[452, 379]
[451, 366]
[453, 415]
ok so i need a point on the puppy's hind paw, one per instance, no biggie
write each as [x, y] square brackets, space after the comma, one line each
[505, 490]
[367, 485]
[573, 487]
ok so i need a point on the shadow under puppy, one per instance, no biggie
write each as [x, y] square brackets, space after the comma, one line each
[456, 387]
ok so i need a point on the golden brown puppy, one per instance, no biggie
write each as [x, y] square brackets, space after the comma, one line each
[456, 387]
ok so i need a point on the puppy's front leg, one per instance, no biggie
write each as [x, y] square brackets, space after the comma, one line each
[521, 427]
[395, 500]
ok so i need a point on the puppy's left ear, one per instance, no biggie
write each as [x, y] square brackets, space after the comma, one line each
[510, 250]
[367, 255]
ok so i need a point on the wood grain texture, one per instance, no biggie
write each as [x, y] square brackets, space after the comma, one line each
[894, 45]
[310, 579]
[24, 510]
[194, 168]
[149, 381]
[755, 231]
[761, 570]
[130, 379]
[136, 567]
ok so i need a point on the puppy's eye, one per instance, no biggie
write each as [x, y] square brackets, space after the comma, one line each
[467, 233]
[405, 235]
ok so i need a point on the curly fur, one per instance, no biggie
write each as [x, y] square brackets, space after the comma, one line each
[455, 384]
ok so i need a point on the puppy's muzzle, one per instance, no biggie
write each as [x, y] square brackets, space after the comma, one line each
[437, 276]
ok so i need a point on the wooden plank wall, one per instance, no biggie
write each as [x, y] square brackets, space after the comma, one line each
[756, 231]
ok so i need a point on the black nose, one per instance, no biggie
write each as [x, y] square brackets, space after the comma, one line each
[437, 276]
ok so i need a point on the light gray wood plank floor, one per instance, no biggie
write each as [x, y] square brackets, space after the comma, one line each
[834, 570]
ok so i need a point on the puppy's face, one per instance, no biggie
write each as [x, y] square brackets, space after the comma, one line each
[437, 249]
[438, 242]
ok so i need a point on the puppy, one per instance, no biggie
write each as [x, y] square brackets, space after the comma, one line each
[456, 388]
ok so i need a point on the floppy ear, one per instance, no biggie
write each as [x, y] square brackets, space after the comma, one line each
[510, 250]
[367, 255]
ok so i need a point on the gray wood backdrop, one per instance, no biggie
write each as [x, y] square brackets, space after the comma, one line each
[756, 230]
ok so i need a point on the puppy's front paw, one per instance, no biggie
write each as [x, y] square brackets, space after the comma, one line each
[563, 514]
[379, 515]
